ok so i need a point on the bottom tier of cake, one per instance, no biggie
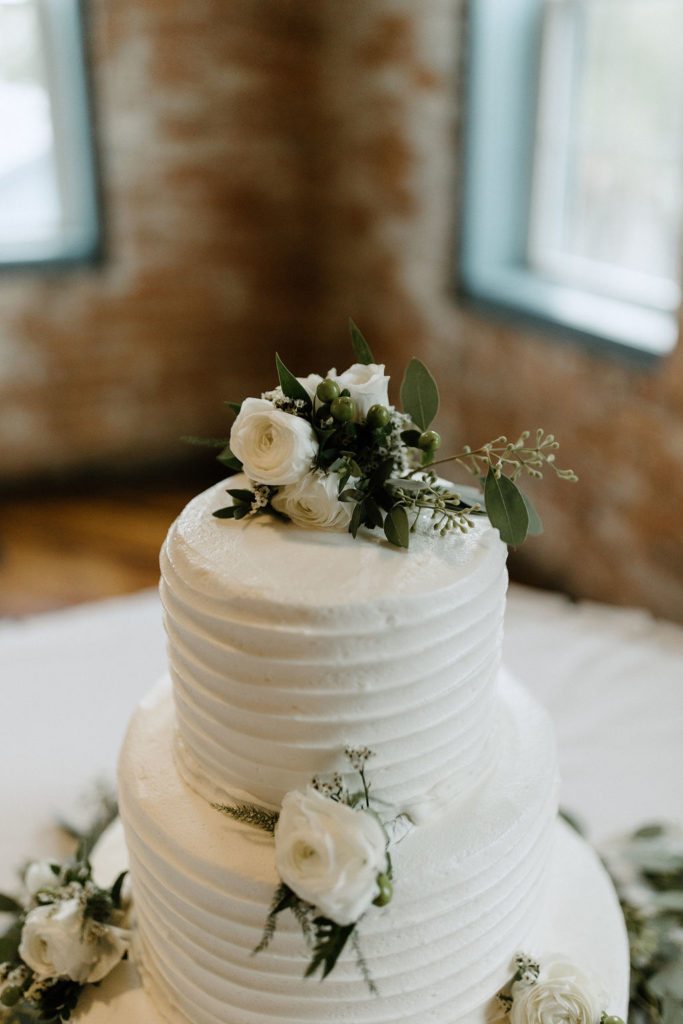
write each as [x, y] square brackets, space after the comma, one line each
[483, 879]
[581, 919]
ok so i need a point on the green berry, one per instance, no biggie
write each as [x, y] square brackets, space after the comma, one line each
[429, 441]
[327, 390]
[612, 1020]
[11, 995]
[378, 416]
[343, 409]
[386, 891]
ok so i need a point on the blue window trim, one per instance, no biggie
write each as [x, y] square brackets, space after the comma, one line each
[83, 241]
[503, 52]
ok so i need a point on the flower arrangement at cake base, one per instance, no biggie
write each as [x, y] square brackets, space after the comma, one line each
[554, 992]
[66, 933]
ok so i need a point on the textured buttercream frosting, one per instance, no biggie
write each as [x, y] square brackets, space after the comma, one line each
[470, 883]
[287, 645]
[580, 918]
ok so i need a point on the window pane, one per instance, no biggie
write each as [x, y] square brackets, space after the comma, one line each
[29, 201]
[47, 207]
[614, 171]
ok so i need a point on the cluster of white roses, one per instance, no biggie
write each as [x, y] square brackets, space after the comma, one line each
[59, 939]
[277, 446]
[330, 855]
[557, 992]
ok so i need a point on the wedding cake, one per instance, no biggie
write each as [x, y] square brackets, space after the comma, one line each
[338, 806]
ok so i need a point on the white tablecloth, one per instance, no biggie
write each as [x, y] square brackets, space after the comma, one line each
[612, 680]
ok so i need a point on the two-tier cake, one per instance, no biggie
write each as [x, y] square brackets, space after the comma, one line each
[287, 646]
[339, 634]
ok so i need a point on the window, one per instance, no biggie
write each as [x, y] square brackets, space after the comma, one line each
[574, 165]
[48, 208]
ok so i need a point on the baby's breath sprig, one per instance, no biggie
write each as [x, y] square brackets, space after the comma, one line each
[359, 757]
[333, 789]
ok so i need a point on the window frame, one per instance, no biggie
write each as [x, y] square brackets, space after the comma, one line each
[503, 68]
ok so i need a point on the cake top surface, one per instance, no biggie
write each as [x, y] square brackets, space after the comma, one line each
[267, 559]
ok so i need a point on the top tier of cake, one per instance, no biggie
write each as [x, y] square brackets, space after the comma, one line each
[288, 645]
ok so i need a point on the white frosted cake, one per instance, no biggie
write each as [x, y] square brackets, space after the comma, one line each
[337, 808]
[287, 646]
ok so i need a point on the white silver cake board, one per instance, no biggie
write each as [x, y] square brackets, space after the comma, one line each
[582, 921]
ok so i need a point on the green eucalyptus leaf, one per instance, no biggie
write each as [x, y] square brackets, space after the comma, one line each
[235, 407]
[361, 349]
[506, 508]
[241, 496]
[351, 494]
[330, 939]
[356, 519]
[653, 831]
[419, 394]
[225, 513]
[115, 891]
[373, 514]
[291, 387]
[9, 942]
[397, 527]
[8, 905]
[226, 458]
[382, 473]
[535, 527]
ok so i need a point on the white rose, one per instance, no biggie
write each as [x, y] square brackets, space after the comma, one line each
[57, 943]
[367, 386]
[39, 875]
[310, 383]
[329, 854]
[275, 447]
[313, 502]
[563, 994]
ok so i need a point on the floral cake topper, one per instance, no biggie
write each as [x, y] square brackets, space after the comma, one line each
[332, 453]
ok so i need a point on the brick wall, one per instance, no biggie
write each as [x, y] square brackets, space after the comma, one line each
[270, 168]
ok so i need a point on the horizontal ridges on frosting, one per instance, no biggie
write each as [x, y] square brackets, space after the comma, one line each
[469, 884]
[287, 645]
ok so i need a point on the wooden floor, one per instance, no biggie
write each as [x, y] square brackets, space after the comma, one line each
[84, 542]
